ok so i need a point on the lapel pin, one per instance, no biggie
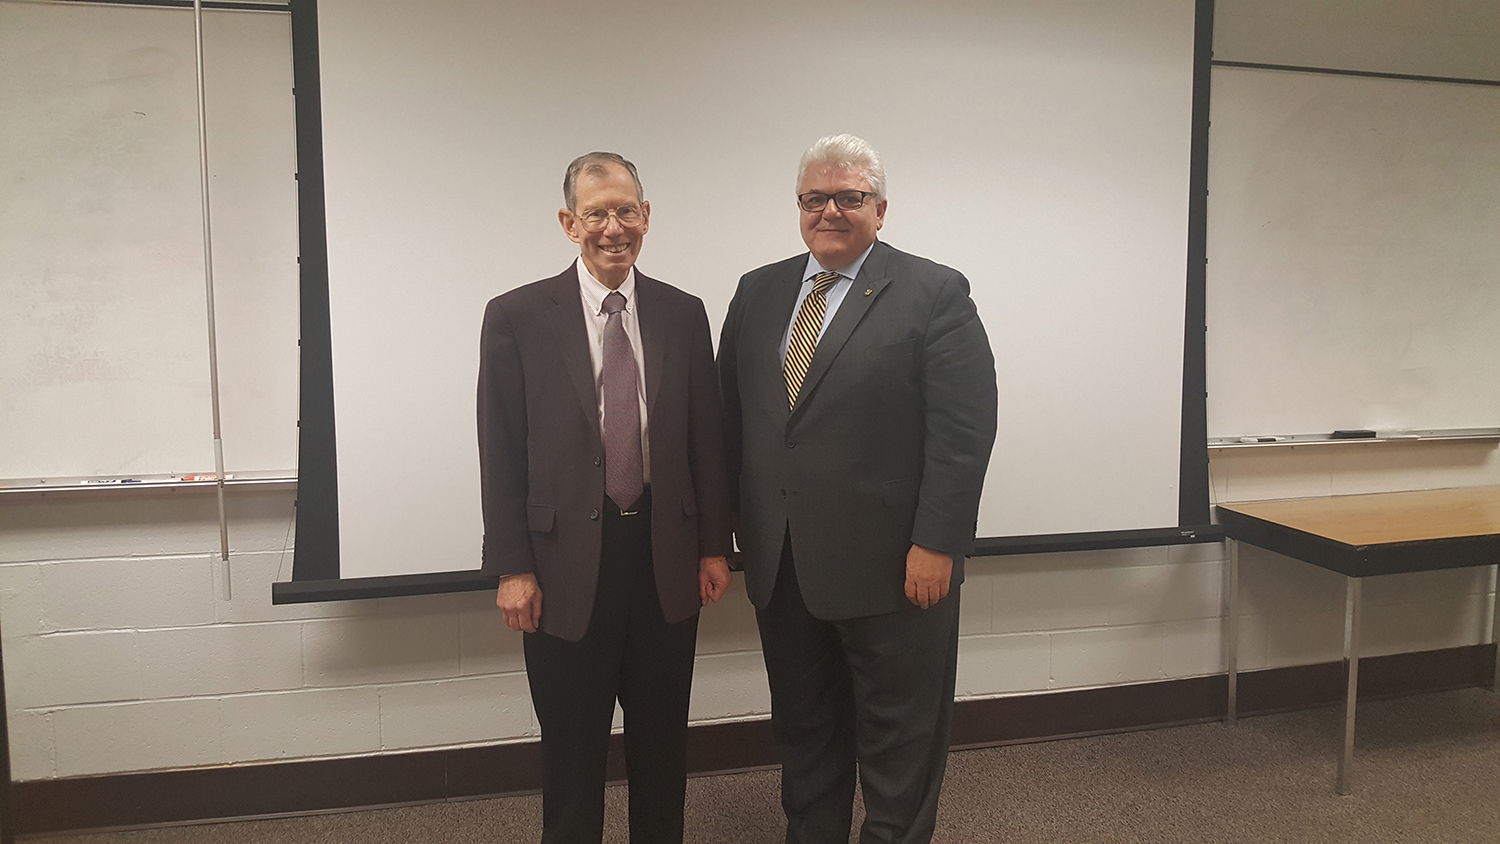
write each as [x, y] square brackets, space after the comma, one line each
[869, 290]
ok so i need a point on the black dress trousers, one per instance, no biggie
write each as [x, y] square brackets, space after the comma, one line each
[872, 694]
[631, 654]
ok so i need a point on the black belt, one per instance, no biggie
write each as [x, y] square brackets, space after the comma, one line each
[641, 505]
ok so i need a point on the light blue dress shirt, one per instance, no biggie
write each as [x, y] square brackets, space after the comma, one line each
[832, 299]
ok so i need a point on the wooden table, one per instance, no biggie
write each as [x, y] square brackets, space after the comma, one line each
[1361, 536]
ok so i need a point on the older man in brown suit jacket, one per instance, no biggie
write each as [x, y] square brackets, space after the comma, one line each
[605, 503]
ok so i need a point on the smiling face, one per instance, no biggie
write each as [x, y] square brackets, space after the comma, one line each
[834, 236]
[610, 252]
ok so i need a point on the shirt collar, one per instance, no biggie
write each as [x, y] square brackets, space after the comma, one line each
[813, 267]
[594, 290]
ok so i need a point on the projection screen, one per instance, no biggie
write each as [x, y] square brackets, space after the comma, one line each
[1040, 147]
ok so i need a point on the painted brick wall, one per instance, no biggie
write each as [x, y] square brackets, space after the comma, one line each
[121, 653]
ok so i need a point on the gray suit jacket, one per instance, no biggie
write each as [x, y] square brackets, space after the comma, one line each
[541, 457]
[888, 443]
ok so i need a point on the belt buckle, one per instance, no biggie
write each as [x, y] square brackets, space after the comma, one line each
[630, 512]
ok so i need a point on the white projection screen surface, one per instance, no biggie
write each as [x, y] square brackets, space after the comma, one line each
[1040, 147]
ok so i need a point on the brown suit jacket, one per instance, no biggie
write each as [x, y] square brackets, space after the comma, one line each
[541, 456]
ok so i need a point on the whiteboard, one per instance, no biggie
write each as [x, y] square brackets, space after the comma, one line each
[104, 366]
[1453, 38]
[1040, 147]
[1354, 261]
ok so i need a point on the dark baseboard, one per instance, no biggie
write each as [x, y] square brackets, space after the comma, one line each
[285, 788]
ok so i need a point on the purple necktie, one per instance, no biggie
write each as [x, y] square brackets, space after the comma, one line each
[622, 410]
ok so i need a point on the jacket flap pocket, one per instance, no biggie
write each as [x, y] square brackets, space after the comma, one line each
[900, 492]
[539, 517]
[689, 505]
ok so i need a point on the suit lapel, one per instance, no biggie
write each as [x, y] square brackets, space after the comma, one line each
[862, 294]
[654, 329]
[566, 316]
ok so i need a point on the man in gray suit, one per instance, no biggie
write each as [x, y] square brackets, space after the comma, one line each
[860, 406]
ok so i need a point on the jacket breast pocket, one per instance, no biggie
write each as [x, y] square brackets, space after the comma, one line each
[539, 518]
[891, 351]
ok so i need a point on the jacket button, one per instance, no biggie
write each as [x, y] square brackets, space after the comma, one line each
[783, 493]
[790, 444]
[593, 515]
[597, 461]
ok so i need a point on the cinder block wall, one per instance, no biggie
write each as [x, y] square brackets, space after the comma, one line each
[121, 653]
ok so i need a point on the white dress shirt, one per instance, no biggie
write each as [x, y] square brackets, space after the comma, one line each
[593, 291]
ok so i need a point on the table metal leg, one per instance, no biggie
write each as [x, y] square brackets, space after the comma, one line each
[1232, 630]
[1351, 673]
[1495, 625]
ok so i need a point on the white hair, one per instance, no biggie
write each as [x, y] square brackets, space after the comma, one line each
[846, 152]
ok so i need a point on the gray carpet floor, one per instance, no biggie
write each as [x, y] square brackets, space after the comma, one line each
[1427, 769]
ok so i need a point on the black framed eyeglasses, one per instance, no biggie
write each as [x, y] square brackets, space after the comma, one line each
[846, 200]
[629, 216]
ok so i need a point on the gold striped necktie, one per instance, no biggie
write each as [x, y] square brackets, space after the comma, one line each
[805, 329]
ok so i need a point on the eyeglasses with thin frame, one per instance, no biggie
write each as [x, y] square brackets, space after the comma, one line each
[845, 200]
[629, 216]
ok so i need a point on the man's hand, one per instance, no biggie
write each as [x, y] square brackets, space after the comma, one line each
[713, 579]
[521, 599]
[927, 576]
